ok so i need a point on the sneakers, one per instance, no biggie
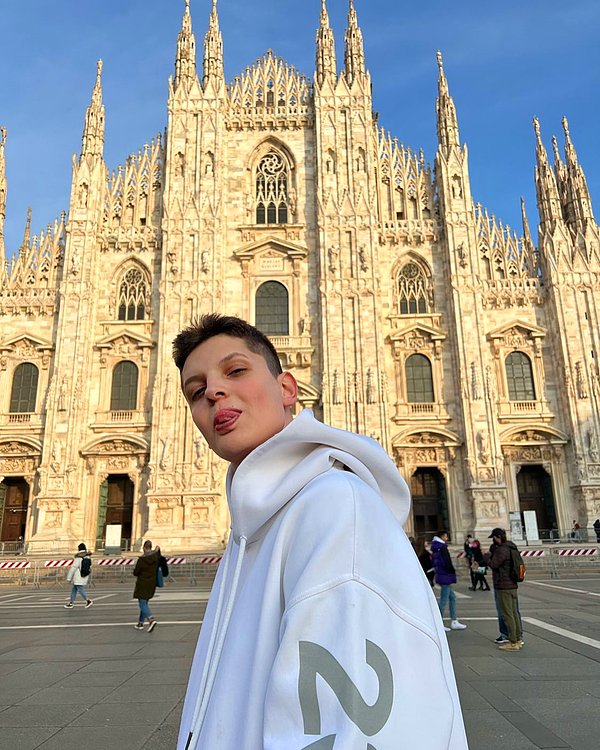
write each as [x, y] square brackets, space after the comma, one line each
[88, 603]
[139, 626]
[510, 647]
[456, 625]
[152, 626]
[446, 629]
[501, 639]
[70, 605]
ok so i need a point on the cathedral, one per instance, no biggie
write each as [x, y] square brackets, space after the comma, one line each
[403, 308]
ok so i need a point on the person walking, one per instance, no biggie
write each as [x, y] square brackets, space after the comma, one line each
[597, 529]
[468, 548]
[445, 577]
[478, 567]
[505, 588]
[145, 571]
[78, 575]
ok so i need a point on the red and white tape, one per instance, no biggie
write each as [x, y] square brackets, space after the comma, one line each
[585, 552]
[209, 560]
[14, 565]
[58, 563]
[533, 552]
[114, 561]
[176, 560]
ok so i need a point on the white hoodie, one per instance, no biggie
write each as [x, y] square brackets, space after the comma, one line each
[321, 631]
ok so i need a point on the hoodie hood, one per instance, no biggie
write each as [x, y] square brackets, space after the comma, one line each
[306, 448]
[437, 543]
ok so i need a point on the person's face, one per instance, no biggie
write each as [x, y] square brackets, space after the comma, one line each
[235, 400]
[444, 537]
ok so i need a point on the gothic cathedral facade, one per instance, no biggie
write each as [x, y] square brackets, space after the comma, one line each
[403, 309]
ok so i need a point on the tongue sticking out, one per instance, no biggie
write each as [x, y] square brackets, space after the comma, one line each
[225, 419]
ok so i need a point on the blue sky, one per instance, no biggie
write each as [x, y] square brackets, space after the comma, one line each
[506, 62]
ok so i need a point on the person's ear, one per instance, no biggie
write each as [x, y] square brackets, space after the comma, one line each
[289, 389]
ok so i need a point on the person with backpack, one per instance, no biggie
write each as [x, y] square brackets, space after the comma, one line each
[146, 573]
[507, 569]
[78, 575]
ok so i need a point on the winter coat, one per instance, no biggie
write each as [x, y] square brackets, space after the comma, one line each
[445, 573]
[305, 626]
[498, 560]
[74, 575]
[477, 555]
[145, 571]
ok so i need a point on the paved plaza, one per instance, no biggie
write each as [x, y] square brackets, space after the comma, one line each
[85, 678]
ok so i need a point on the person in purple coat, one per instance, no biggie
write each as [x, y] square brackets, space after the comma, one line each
[445, 577]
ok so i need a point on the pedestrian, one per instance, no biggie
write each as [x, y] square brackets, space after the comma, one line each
[478, 567]
[576, 531]
[505, 588]
[301, 597]
[445, 577]
[597, 529]
[146, 571]
[424, 556]
[467, 546]
[79, 575]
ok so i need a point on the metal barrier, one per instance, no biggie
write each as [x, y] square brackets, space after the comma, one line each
[16, 571]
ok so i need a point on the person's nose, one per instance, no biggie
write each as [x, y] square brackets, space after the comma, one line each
[215, 389]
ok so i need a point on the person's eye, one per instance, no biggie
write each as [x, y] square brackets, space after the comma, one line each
[237, 371]
[196, 394]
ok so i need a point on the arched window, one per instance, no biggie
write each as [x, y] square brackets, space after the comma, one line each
[24, 389]
[133, 292]
[412, 290]
[123, 396]
[271, 190]
[519, 377]
[419, 380]
[272, 309]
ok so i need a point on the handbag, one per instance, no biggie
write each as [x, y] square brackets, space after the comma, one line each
[160, 581]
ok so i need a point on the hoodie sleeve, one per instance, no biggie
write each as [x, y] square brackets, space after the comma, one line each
[73, 569]
[355, 644]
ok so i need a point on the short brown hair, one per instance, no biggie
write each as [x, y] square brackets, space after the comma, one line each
[213, 324]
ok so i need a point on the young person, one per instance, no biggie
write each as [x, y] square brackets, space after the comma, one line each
[145, 571]
[445, 577]
[76, 577]
[320, 619]
[505, 590]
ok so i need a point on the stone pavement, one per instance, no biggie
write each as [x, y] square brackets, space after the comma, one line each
[85, 678]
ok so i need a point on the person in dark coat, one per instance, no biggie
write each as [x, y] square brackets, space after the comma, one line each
[468, 548]
[505, 589]
[424, 555]
[597, 529]
[477, 565]
[145, 571]
[445, 577]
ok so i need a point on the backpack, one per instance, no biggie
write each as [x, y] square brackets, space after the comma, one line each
[86, 567]
[517, 566]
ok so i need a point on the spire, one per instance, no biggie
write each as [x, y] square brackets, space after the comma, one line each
[185, 61]
[526, 230]
[213, 49]
[92, 143]
[354, 53]
[25, 245]
[3, 134]
[578, 201]
[326, 62]
[548, 199]
[447, 122]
